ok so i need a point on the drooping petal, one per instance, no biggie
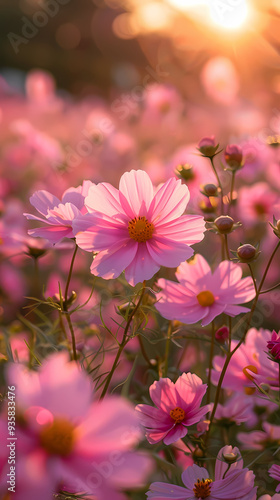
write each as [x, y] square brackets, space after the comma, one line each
[43, 201]
[111, 263]
[164, 491]
[142, 267]
[52, 233]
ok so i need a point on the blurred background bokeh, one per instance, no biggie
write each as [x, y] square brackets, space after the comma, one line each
[91, 45]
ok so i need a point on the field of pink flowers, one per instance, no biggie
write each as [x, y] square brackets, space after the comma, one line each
[139, 294]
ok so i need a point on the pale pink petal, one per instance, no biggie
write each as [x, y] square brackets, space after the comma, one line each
[131, 469]
[111, 263]
[54, 233]
[234, 485]
[95, 234]
[104, 198]
[169, 202]
[43, 201]
[142, 267]
[221, 466]
[192, 474]
[63, 213]
[111, 424]
[164, 491]
[213, 311]
[190, 273]
[235, 310]
[163, 394]
[154, 418]
[167, 252]
[188, 229]
[137, 188]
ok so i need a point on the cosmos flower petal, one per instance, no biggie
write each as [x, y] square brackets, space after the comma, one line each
[137, 188]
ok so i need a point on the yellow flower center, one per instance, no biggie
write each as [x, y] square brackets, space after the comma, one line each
[252, 368]
[57, 438]
[140, 229]
[177, 414]
[206, 298]
[202, 488]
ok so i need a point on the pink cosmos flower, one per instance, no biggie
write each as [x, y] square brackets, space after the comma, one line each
[136, 228]
[269, 497]
[236, 410]
[177, 407]
[201, 295]
[274, 345]
[235, 483]
[59, 215]
[274, 472]
[257, 203]
[259, 440]
[66, 441]
[248, 364]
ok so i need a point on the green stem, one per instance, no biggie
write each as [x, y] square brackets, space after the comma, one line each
[143, 351]
[231, 190]
[253, 278]
[167, 349]
[219, 184]
[123, 343]
[226, 247]
[231, 353]
[210, 363]
[70, 273]
[65, 305]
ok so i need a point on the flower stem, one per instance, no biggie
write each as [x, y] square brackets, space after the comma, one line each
[210, 363]
[253, 278]
[65, 305]
[123, 343]
[226, 247]
[231, 353]
[219, 184]
[231, 190]
[167, 349]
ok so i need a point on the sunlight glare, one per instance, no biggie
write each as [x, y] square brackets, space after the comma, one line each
[228, 14]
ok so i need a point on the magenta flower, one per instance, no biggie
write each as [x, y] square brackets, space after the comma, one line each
[137, 229]
[274, 472]
[237, 409]
[233, 484]
[260, 440]
[249, 364]
[177, 408]
[59, 215]
[66, 441]
[201, 295]
[274, 345]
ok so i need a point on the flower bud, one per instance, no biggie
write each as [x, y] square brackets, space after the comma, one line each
[198, 453]
[230, 458]
[210, 190]
[224, 224]
[208, 206]
[247, 253]
[222, 334]
[234, 156]
[185, 172]
[208, 147]
[276, 227]
[273, 140]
